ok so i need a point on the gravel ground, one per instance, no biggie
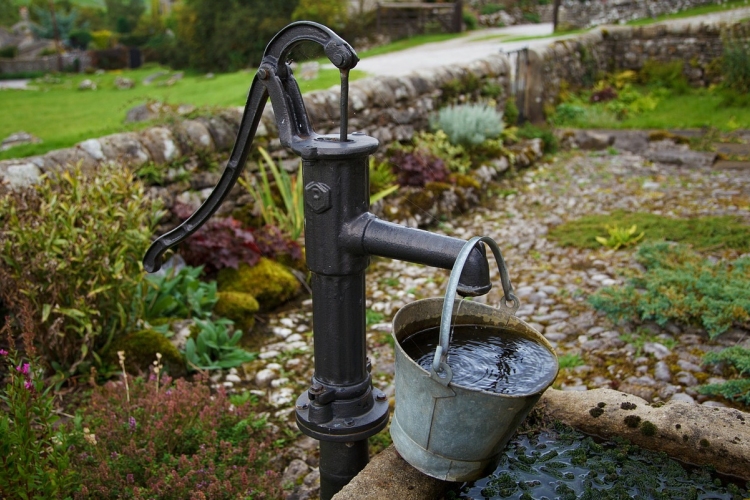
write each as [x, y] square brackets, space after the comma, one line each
[552, 283]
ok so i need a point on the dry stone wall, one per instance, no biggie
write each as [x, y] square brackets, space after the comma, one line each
[576, 14]
[390, 109]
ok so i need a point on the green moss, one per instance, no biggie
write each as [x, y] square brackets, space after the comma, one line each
[239, 307]
[140, 352]
[269, 282]
[632, 421]
[702, 232]
[465, 181]
[648, 428]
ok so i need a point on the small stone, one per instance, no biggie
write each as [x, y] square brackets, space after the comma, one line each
[264, 377]
[687, 379]
[682, 397]
[714, 404]
[87, 84]
[281, 332]
[295, 471]
[555, 337]
[659, 351]
[662, 372]
[269, 354]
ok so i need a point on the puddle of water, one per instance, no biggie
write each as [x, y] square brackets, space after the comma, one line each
[564, 464]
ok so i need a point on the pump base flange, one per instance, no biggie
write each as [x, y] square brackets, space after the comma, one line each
[344, 429]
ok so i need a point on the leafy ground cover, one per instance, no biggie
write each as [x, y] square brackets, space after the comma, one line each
[703, 233]
[61, 115]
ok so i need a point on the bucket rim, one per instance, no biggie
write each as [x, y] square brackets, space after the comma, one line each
[537, 336]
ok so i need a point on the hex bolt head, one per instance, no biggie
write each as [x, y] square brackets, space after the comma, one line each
[318, 197]
[349, 422]
[381, 397]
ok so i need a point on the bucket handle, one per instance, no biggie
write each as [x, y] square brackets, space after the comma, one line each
[440, 369]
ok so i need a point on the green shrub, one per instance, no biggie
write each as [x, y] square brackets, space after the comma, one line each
[214, 348]
[736, 389]
[664, 74]
[491, 8]
[469, 124]
[34, 454]
[567, 113]
[470, 20]
[532, 17]
[736, 65]
[679, 285]
[510, 116]
[9, 52]
[72, 245]
[531, 131]
[178, 295]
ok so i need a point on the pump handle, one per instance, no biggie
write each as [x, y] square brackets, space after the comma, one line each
[274, 79]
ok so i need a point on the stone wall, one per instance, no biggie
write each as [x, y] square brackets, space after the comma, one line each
[576, 14]
[388, 108]
[81, 60]
[577, 61]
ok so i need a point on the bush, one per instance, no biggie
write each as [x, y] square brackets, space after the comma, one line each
[736, 389]
[164, 440]
[220, 243]
[668, 75]
[736, 65]
[178, 295]
[72, 247]
[469, 124]
[491, 8]
[511, 114]
[549, 141]
[470, 20]
[679, 285]
[9, 52]
[418, 168]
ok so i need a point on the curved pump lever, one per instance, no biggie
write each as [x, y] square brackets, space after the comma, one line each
[274, 79]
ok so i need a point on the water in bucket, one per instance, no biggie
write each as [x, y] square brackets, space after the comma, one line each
[487, 358]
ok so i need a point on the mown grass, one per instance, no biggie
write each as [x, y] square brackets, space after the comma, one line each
[702, 233]
[61, 115]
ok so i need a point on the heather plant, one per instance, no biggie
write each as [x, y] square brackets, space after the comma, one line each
[72, 247]
[737, 389]
[172, 439]
[34, 456]
[680, 285]
[469, 124]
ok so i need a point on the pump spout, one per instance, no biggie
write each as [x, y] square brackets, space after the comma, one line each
[373, 236]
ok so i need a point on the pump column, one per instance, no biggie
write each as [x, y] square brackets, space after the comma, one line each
[341, 408]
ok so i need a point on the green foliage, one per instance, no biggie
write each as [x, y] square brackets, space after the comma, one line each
[8, 13]
[711, 232]
[34, 454]
[490, 8]
[331, 13]
[373, 317]
[531, 131]
[736, 389]
[178, 295]
[679, 285]
[123, 15]
[570, 361]
[45, 27]
[214, 348]
[736, 65]
[532, 17]
[73, 246]
[288, 214]
[510, 116]
[668, 75]
[620, 237]
[226, 35]
[164, 440]
[382, 177]
[469, 124]
[470, 20]
[9, 52]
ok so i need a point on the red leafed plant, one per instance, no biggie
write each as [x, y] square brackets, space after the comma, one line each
[221, 243]
[416, 169]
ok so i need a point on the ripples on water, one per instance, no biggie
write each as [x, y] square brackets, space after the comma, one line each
[487, 358]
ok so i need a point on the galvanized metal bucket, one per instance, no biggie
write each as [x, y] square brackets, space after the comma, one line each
[447, 431]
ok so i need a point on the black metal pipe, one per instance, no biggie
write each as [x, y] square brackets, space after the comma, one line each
[347, 459]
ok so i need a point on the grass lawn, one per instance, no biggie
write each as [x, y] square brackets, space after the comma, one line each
[61, 115]
[695, 109]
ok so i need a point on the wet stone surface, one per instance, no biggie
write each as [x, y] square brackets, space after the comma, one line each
[552, 282]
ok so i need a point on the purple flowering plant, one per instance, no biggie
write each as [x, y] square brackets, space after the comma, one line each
[34, 458]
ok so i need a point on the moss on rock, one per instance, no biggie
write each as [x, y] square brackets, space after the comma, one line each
[269, 282]
[240, 307]
[140, 352]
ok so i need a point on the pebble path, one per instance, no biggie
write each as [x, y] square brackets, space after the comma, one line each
[552, 282]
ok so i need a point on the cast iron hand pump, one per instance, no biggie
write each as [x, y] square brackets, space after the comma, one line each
[341, 408]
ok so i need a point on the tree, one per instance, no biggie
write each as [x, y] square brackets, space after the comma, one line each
[226, 35]
[46, 19]
[123, 15]
[8, 13]
[331, 13]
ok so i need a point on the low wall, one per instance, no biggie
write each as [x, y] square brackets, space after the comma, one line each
[575, 14]
[79, 60]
